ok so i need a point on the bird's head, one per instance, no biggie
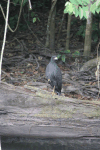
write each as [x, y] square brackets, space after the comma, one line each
[54, 58]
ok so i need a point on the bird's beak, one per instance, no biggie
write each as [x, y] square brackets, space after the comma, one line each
[56, 58]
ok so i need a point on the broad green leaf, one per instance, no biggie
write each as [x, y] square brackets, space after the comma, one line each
[80, 12]
[76, 12]
[67, 3]
[85, 10]
[63, 58]
[70, 8]
[34, 20]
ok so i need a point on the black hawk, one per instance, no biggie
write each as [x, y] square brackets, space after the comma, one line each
[54, 75]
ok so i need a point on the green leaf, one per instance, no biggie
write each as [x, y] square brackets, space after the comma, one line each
[61, 51]
[85, 11]
[79, 2]
[85, 2]
[22, 72]
[76, 12]
[76, 53]
[69, 8]
[34, 19]
[80, 12]
[63, 58]
[38, 19]
[74, 2]
[58, 56]
[67, 3]
[98, 10]
[65, 10]
[67, 51]
[93, 8]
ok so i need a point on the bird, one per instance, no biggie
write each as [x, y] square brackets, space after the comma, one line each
[54, 75]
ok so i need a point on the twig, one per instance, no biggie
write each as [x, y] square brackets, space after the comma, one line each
[4, 40]
[18, 17]
[36, 62]
[19, 42]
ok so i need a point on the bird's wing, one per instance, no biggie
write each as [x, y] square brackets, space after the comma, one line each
[50, 70]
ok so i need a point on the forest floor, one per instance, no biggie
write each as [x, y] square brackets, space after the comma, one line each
[25, 59]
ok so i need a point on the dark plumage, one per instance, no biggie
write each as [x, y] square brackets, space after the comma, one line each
[54, 76]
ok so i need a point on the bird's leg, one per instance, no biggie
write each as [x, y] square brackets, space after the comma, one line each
[49, 80]
[53, 91]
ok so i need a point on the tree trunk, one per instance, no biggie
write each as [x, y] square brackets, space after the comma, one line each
[32, 112]
[88, 33]
[59, 32]
[52, 29]
[68, 32]
[49, 24]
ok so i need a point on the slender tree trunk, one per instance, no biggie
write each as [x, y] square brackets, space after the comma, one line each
[59, 32]
[68, 32]
[88, 33]
[99, 28]
[52, 29]
[49, 23]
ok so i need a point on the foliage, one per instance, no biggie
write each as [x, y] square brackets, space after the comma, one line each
[76, 53]
[15, 2]
[14, 18]
[95, 32]
[80, 7]
[13, 21]
[81, 31]
[40, 5]
[35, 17]
[63, 54]
[37, 5]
